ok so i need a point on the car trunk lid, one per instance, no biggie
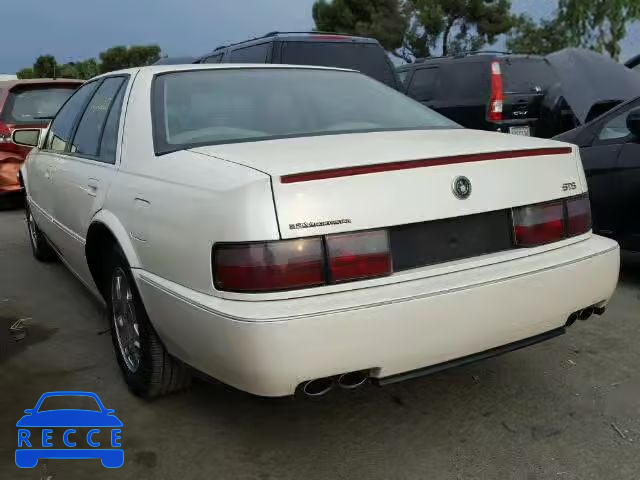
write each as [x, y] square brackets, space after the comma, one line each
[338, 183]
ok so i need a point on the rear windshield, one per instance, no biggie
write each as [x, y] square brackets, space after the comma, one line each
[34, 105]
[526, 75]
[207, 107]
[368, 58]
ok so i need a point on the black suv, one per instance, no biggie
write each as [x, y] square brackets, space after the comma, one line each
[483, 90]
[311, 48]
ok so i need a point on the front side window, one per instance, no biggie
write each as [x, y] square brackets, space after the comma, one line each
[616, 128]
[209, 107]
[62, 126]
[87, 139]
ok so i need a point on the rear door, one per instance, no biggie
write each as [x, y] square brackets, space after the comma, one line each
[41, 168]
[525, 82]
[85, 171]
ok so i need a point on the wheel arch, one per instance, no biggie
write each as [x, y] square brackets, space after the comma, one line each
[105, 232]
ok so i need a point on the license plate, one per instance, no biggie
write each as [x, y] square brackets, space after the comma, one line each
[524, 131]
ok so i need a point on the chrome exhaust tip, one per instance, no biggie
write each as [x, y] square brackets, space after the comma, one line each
[351, 380]
[318, 387]
[585, 313]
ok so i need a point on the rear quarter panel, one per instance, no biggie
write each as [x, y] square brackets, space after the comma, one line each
[174, 207]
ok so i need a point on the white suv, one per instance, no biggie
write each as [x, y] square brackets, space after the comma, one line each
[295, 228]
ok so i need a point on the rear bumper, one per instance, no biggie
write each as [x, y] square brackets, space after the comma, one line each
[414, 324]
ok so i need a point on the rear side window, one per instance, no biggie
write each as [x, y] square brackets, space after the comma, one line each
[62, 126]
[524, 75]
[465, 81]
[213, 58]
[34, 105]
[109, 142]
[368, 58]
[88, 137]
[252, 54]
[424, 83]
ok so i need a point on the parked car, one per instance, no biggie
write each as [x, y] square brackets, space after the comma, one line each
[289, 229]
[610, 150]
[483, 90]
[25, 103]
[634, 63]
[521, 94]
[311, 48]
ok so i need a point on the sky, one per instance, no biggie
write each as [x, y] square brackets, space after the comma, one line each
[79, 29]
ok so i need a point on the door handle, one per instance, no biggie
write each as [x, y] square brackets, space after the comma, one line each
[92, 186]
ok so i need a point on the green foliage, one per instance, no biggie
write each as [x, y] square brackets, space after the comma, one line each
[380, 19]
[417, 28]
[114, 58]
[599, 24]
[596, 24]
[120, 57]
[541, 38]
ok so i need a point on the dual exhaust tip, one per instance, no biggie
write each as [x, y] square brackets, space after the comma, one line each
[584, 314]
[346, 381]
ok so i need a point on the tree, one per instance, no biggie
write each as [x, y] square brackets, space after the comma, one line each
[116, 58]
[416, 28]
[45, 66]
[596, 24]
[380, 19]
[454, 25]
[599, 24]
[26, 73]
[530, 37]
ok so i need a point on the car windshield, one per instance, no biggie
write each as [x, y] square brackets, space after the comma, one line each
[35, 105]
[66, 402]
[206, 107]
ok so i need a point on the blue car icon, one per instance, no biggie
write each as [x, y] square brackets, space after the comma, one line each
[32, 448]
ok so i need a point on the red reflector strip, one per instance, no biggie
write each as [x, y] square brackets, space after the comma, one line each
[431, 162]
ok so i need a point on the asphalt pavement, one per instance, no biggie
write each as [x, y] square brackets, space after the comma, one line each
[565, 409]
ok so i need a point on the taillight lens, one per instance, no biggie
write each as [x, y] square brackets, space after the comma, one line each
[578, 215]
[497, 93]
[354, 256]
[549, 222]
[538, 224]
[269, 266]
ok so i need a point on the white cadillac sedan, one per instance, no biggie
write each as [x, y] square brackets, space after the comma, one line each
[288, 229]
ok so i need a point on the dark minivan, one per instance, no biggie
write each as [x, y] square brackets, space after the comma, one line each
[484, 90]
[312, 48]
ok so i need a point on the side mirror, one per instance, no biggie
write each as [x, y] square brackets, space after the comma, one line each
[633, 122]
[27, 137]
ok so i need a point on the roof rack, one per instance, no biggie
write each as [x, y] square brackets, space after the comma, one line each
[276, 32]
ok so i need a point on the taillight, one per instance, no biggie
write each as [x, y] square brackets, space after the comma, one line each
[578, 215]
[5, 134]
[269, 266]
[354, 256]
[538, 224]
[550, 222]
[497, 93]
[302, 263]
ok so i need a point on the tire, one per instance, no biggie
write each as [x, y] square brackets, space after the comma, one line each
[40, 247]
[147, 367]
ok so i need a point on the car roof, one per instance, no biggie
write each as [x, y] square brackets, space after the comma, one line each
[295, 37]
[40, 81]
[467, 58]
[159, 69]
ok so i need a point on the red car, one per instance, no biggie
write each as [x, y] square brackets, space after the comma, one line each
[25, 104]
